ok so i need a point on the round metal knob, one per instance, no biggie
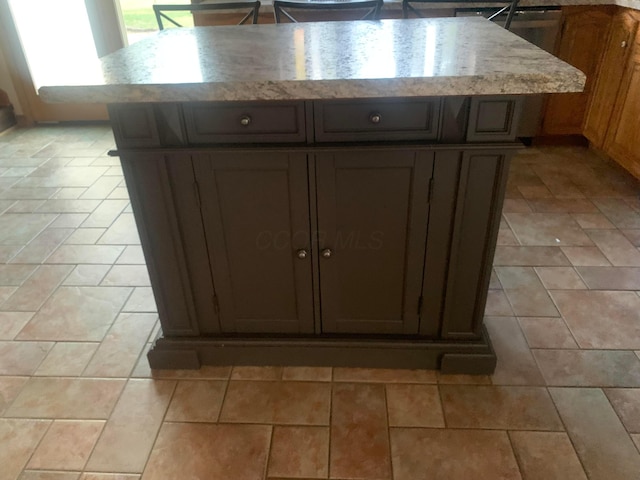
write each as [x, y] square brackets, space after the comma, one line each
[623, 44]
[375, 118]
[245, 120]
[302, 254]
[326, 253]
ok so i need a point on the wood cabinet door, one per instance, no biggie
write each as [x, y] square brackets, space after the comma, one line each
[372, 209]
[622, 139]
[623, 29]
[255, 208]
[162, 191]
[582, 43]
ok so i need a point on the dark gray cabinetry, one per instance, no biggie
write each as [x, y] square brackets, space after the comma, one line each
[340, 233]
[373, 211]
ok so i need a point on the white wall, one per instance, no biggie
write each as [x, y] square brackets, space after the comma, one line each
[7, 85]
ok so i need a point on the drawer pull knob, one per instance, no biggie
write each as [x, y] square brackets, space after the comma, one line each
[623, 44]
[375, 118]
[302, 254]
[326, 253]
[245, 120]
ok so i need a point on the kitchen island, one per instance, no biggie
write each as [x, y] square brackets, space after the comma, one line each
[321, 193]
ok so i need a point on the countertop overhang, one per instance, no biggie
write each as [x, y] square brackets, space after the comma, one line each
[323, 60]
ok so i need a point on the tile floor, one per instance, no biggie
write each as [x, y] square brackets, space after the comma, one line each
[78, 401]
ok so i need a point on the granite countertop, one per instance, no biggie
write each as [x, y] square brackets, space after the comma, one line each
[323, 60]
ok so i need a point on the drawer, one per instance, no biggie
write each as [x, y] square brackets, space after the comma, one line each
[388, 119]
[494, 119]
[244, 122]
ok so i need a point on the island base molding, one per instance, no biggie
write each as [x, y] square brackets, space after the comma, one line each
[475, 357]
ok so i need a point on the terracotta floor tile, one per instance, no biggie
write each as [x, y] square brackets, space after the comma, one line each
[611, 278]
[626, 402]
[66, 398]
[636, 439]
[204, 373]
[86, 275]
[633, 235]
[76, 313]
[516, 206]
[461, 379]
[599, 438]
[615, 246]
[414, 406]
[22, 358]
[141, 300]
[439, 454]
[12, 322]
[19, 439]
[516, 365]
[383, 375]
[501, 408]
[256, 373]
[310, 374]
[101, 188]
[131, 430]
[63, 177]
[106, 213]
[547, 229]
[69, 206]
[196, 401]
[530, 256]
[237, 452]
[584, 312]
[85, 236]
[109, 476]
[69, 220]
[14, 275]
[127, 276]
[359, 437]
[592, 220]
[121, 347]
[97, 254]
[299, 452]
[21, 228]
[132, 255]
[123, 231]
[44, 475]
[67, 359]
[547, 332]
[6, 292]
[564, 205]
[546, 456]
[66, 445]
[560, 278]
[619, 212]
[585, 256]
[525, 292]
[9, 389]
[300, 403]
[497, 304]
[30, 296]
[506, 237]
[589, 368]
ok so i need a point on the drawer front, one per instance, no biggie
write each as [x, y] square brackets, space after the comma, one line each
[494, 119]
[244, 123]
[403, 119]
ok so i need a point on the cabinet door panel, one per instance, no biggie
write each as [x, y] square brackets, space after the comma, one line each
[622, 140]
[582, 45]
[373, 211]
[256, 215]
[598, 119]
[477, 218]
[162, 191]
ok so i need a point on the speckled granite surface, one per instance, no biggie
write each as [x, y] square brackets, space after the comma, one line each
[420, 57]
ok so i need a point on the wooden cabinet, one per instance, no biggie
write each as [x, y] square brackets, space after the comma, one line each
[281, 233]
[612, 119]
[582, 44]
[605, 92]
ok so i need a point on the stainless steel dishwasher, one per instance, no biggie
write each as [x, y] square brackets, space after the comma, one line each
[539, 26]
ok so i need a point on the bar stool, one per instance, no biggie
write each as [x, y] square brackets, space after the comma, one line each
[313, 10]
[162, 11]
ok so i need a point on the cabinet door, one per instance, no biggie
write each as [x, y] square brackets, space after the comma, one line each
[598, 119]
[255, 208]
[373, 207]
[582, 43]
[162, 190]
[622, 140]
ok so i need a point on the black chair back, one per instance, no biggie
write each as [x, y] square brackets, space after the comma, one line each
[502, 7]
[308, 9]
[163, 12]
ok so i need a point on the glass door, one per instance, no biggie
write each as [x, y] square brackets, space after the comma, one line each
[140, 21]
[46, 40]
